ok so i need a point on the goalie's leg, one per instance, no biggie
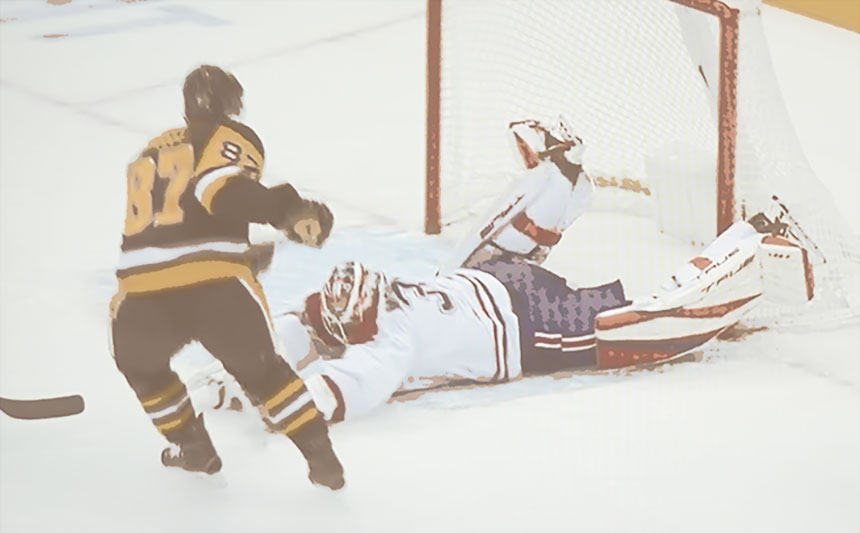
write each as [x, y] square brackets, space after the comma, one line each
[556, 322]
[705, 296]
[529, 219]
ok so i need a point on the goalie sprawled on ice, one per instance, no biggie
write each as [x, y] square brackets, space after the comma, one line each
[499, 315]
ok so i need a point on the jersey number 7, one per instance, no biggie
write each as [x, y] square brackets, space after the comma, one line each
[175, 164]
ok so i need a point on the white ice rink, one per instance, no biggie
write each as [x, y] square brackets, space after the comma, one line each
[762, 436]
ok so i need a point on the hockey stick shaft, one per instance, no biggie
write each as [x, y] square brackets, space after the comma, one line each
[44, 408]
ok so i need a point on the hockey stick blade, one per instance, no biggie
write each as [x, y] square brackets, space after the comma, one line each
[46, 408]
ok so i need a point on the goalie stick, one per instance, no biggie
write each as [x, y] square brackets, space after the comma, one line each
[44, 408]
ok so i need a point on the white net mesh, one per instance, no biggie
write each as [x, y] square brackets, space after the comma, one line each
[630, 76]
[618, 70]
[770, 161]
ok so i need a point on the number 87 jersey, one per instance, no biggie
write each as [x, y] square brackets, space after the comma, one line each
[192, 193]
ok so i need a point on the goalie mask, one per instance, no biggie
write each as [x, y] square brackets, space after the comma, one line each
[348, 302]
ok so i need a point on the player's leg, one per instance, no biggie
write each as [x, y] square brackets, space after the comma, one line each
[147, 331]
[529, 219]
[556, 322]
[233, 324]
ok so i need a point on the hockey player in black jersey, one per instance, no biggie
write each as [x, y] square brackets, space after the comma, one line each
[185, 275]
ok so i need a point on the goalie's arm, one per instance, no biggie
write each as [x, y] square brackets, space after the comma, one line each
[365, 378]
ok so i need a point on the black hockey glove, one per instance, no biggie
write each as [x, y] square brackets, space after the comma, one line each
[310, 223]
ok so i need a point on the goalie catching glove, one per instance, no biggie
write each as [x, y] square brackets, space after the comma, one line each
[537, 141]
[547, 198]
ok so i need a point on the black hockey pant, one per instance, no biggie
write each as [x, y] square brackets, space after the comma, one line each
[230, 319]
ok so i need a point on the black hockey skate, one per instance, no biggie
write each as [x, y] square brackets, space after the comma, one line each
[196, 453]
[325, 468]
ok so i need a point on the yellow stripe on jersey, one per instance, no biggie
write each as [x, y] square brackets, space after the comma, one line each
[187, 274]
[290, 389]
[183, 275]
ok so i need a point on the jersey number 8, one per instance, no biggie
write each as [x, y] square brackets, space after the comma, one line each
[175, 164]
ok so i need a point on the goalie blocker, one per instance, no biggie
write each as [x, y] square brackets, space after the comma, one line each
[706, 296]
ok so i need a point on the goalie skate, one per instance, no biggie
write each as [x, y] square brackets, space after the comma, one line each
[703, 298]
[195, 453]
[786, 267]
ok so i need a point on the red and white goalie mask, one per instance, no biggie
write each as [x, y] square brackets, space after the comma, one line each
[348, 303]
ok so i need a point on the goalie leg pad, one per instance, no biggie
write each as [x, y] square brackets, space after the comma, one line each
[786, 271]
[668, 325]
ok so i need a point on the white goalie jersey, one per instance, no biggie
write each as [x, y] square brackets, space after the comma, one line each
[423, 333]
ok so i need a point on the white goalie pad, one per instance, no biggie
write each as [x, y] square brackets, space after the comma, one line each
[710, 294]
[555, 208]
[542, 200]
[786, 271]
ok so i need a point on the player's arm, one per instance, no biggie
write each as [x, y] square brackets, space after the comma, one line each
[228, 186]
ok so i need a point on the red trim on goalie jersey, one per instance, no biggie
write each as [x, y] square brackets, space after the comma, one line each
[500, 334]
[340, 407]
[542, 236]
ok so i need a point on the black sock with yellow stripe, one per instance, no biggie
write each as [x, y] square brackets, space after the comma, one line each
[169, 408]
[291, 411]
[173, 416]
[291, 408]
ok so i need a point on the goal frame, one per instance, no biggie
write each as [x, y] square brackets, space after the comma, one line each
[728, 18]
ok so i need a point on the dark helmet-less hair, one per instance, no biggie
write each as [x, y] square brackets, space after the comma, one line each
[211, 93]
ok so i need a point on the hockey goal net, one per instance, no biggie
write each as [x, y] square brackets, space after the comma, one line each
[675, 99]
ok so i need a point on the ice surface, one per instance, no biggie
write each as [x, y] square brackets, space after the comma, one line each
[761, 436]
